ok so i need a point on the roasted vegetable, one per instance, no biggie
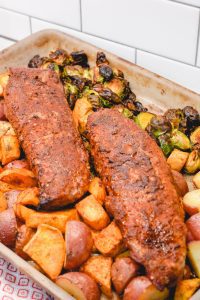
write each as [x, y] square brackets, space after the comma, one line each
[165, 143]
[8, 228]
[180, 140]
[47, 249]
[186, 288]
[101, 59]
[106, 72]
[143, 119]
[196, 180]
[59, 56]
[20, 177]
[79, 58]
[52, 66]
[195, 136]
[193, 162]
[35, 62]
[119, 86]
[82, 110]
[97, 189]
[192, 116]
[159, 125]
[127, 113]
[175, 116]
[177, 159]
[10, 149]
[194, 256]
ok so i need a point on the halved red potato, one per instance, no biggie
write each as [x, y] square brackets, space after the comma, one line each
[79, 243]
[24, 235]
[141, 288]
[8, 228]
[79, 285]
[193, 226]
[191, 202]
[122, 271]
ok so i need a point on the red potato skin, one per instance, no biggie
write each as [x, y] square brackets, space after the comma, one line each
[11, 197]
[180, 182]
[79, 243]
[136, 287]
[8, 228]
[17, 164]
[193, 226]
[85, 283]
[122, 271]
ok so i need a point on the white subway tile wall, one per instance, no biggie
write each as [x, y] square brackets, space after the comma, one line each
[160, 35]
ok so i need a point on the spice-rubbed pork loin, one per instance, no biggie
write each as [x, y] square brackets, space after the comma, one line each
[141, 194]
[37, 109]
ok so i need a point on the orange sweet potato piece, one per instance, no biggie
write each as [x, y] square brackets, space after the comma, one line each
[92, 213]
[29, 197]
[3, 202]
[19, 177]
[23, 212]
[109, 240]
[10, 149]
[6, 187]
[97, 189]
[99, 268]
[56, 219]
[47, 249]
[23, 237]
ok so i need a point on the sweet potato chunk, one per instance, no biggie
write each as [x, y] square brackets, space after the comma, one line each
[29, 197]
[186, 288]
[97, 189]
[56, 219]
[23, 237]
[177, 159]
[6, 187]
[6, 129]
[47, 249]
[109, 240]
[23, 212]
[19, 177]
[10, 149]
[99, 268]
[3, 202]
[93, 213]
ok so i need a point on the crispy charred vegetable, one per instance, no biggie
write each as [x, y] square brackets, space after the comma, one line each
[175, 116]
[180, 140]
[165, 143]
[59, 56]
[118, 86]
[101, 59]
[35, 62]
[193, 162]
[52, 66]
[195, 136]
[192, 116]
[80, 58]
[159, 125]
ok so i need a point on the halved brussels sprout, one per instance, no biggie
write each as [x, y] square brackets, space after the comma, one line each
[101, 59]
[165, 144]
[159, 125]
[106, 72]
[180, 140]
[119, 86]
[59, 56]
[192, 116]
[193, 162]
[195, 136]
[143, 119]
[97, 78]
[127, 113]
[52, 66]
[69, 71]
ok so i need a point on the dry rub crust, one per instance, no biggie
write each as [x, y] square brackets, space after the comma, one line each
[37, 109]
[141, 194]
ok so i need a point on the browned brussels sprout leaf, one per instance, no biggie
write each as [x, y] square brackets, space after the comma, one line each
[175, 116]
[35, 62]
[69, 71]
[195, 136]
[59, 56]
[192, 116]
[80, 58]
[119, 86]
[106, 72]
[101, 59]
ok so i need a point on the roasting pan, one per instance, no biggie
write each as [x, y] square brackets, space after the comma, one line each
[156, 92]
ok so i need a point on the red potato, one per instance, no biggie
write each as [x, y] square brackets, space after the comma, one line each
[79, 285]
[191, 202]
[17, 164]
[193, 226]
[180, 182]
[11, 197]
[194, 256]
[114, 297]
[8, 228]
[122, 271]
[79, 244]
[189, 236]
[23, 237]
[141, 288]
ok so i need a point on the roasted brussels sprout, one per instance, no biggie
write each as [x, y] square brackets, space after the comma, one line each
[143, 119]
[127, 113]
[175, 116]
[195, 136]
[119, 86]
[193, 162]
[101, 59]
[35, 62]
[59, 56]
[159, 125]
[180, 140]
[118, 73]
[82, 110]
[80, 58]
[94, 99]
[106, 72]
[97, 77]
[192, 116]
[52, 66]
[69, 71]
[106, 93]
[165, 144]
[71, 93]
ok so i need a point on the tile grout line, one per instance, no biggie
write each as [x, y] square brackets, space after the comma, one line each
[81, 19]
[30, 24]
[103, 38]
[183, 3]
[197, 47]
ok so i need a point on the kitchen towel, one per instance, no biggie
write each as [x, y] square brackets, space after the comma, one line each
[14, 285]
